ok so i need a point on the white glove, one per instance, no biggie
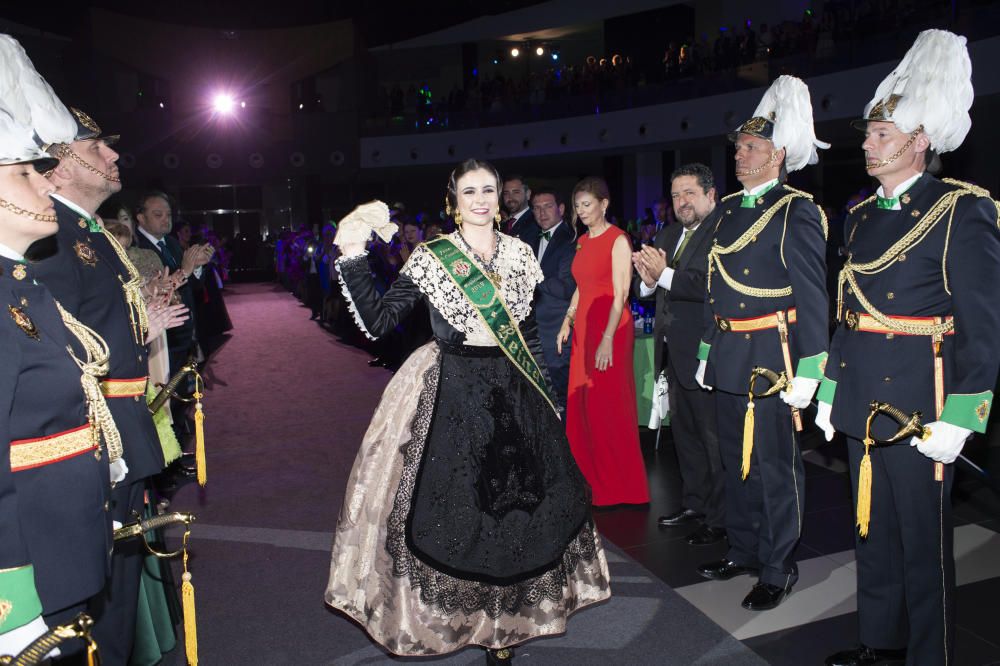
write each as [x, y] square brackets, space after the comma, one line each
[799, 392]
[359, 224]
[944, 444]
[14, 641]
[116, 524]
[699, 375]
[823, 410]
[118, 470]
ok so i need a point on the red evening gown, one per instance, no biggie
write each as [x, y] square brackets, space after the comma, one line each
[602, 423]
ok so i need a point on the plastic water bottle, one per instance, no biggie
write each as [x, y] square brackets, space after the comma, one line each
[636, 315]
[647, 323]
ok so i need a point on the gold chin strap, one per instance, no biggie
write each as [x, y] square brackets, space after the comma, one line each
[899, 153]
[762, 167]
[17, 210]
[66, 151]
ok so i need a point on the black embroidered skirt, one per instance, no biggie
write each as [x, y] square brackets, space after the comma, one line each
[503, 506]
[498, 495]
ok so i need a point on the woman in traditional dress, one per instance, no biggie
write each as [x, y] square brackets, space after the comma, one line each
[465, 521]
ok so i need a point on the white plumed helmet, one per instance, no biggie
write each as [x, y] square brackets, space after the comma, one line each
[784, 117]
[930, 88]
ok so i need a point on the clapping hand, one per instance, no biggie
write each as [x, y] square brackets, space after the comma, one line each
[163, 316]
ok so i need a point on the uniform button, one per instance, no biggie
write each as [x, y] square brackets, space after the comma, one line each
[850, 291]
[743, 306]
[711, 300]
[843, 364]
[136, 398]
[890, 295]
[140, 358]
[24, 302]
[887, 379]
[107, 506]
[746, 271]
[753, 239]
[746, 336]
[915, 213]
[82, 223]
[864, 216]
[97, 454]
[902, 257]
[889, 336]
[729, 211]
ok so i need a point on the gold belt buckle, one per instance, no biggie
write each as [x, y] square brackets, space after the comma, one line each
[851, 320]
[723, 324]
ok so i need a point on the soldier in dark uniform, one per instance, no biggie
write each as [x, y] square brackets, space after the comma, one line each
[767, 306]
[919, 322]
[90, 274]
[56, 435]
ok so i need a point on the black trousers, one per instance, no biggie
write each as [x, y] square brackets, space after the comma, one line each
[696, 440]
[906, 565]
[764, 512]
[115, 609]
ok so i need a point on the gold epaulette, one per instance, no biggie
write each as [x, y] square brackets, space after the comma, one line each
[730, 196]
[863, 203]
[801, 193]
[976, 191]
[969, 187]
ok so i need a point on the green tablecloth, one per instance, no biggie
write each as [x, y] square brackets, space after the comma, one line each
[642, 367]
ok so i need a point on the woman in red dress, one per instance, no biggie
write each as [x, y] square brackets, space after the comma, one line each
[602, 423]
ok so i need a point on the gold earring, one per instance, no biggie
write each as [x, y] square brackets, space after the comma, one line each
[458, 217]
[497, 217]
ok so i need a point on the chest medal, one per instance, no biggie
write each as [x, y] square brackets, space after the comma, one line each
[23, 322]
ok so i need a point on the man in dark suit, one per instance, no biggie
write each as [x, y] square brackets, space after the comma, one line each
[675, 268]
[155, 220]
[554, 244]
[518, 218]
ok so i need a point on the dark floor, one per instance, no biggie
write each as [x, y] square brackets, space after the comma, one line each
[827, 541]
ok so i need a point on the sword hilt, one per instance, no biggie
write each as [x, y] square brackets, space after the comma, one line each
[39, 649]
[778, 380]
[909, 425]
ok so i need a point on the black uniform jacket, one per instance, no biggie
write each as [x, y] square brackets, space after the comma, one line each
[789, 251]
[52, 503]
[85, 275]
[954, 270]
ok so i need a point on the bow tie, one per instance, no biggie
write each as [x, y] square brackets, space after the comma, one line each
[92, 225]
[887, 203]
[547, 235]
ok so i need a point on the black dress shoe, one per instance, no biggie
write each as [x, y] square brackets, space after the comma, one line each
[682, 517]
[866, 656]
[764, 596]
[724, 570]
[499, 657]
[706, 536]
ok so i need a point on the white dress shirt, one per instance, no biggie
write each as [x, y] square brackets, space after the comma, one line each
[543, 242]
[666, 278]
[900, 190]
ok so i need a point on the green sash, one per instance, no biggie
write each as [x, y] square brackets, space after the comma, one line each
[484, 297]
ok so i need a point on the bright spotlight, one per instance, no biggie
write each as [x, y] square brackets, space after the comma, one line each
[540, 51]
[514, 52]
[223, 103]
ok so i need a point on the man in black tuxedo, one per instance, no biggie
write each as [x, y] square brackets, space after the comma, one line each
[675, 269]
[155, 220]
[518, 218]
[554, 243]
